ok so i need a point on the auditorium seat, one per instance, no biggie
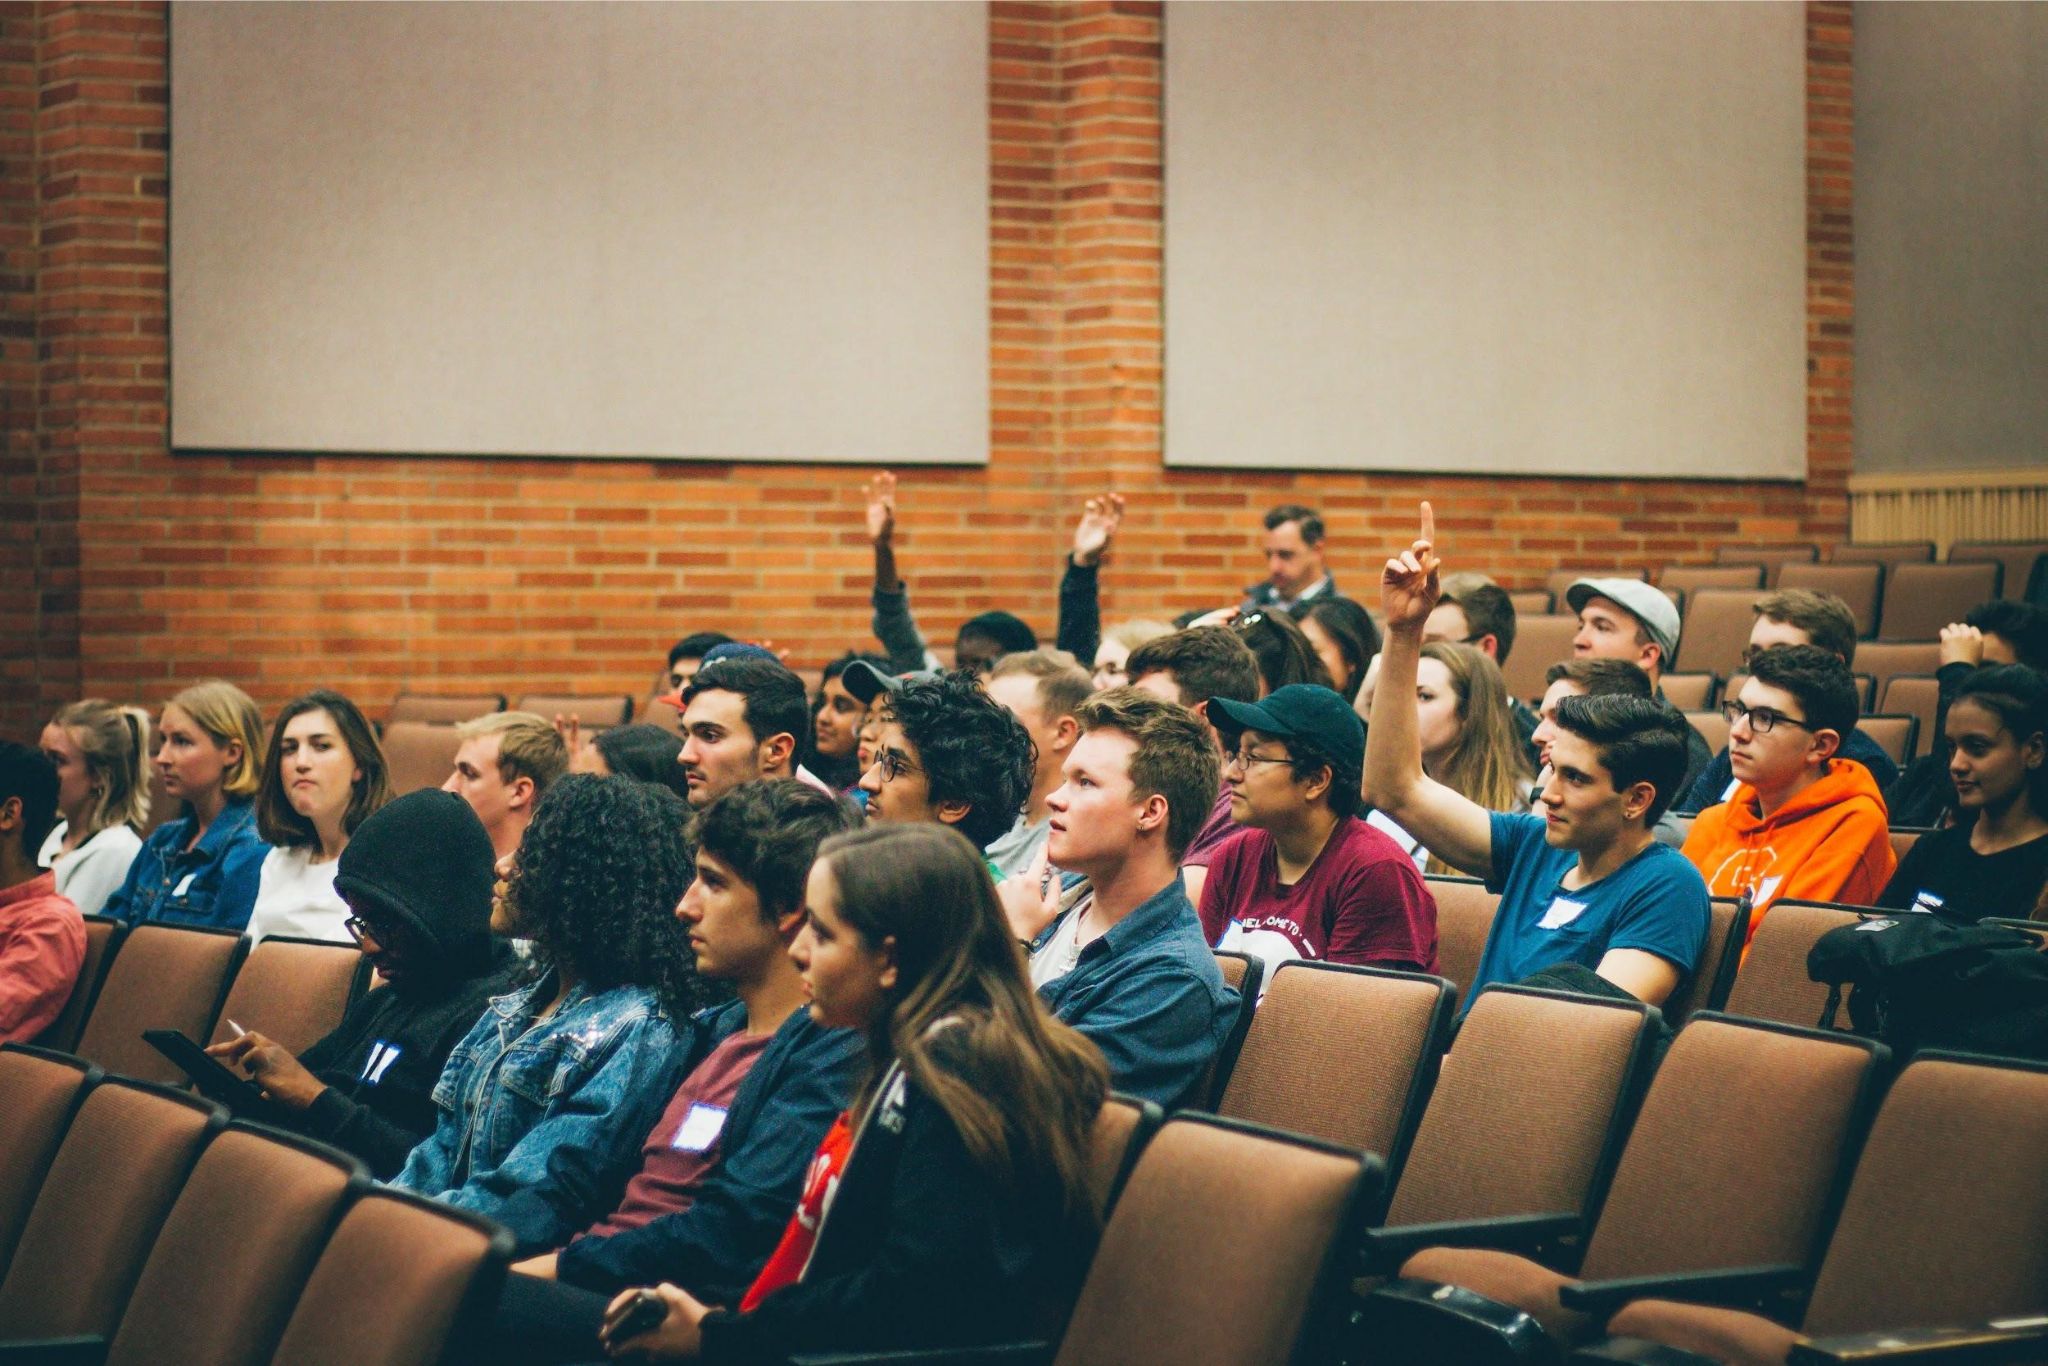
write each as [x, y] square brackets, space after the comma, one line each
[1690, 578]
[1539, 643]
[1859, 586]
[1941, 1228]
[1772, 983]
[1884, 660]
[1914, 695]
[428, 709]
[103, 937]
[165, 977]
[1246, 975]
[1123, 1127]
[1712, 726]
[2017, 558]
[1898, 736]
[354, 1311]
[594, 712]
[1903, 841]
[420, 755]
[1689, 692]
[1920, 599]
[1707, 984]
[39, 1091]
[1464, 917]
[1887, 553]
[1715, 629]
[293, 991]
[121, 1165]
[1532, 602]
[1344, 1054]
[1733, 1160]
[1773, 558]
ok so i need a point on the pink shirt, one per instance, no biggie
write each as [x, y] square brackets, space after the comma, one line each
[1361, 902]
[42, 945]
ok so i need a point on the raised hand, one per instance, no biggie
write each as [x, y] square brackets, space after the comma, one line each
[881, 496]
[1961, 644]
[1409, 586]
[1097, 528]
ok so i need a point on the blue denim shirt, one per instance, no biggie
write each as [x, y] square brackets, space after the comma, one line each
[1149, 995]
[593, 1076]
[213, 883]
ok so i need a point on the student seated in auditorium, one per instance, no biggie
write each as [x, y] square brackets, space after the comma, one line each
[322, 778]
[836, 718]
[1117, 949]
[1628, 619]
[1191, 668]
[1343, 637]
[1284, 653]
[1583, 882]
[504, 766]
[1797, 616]
[1803, 824]
[1991, 633]
[742, 715]
[99, 751]
[1305, 877]
[42, 935]
[416, 878]
[980, 641]
[543, 1105]
[1041, 688]
[202, 867]
[643, 752]
[1994, 860]
[947, 754]
[724, 1165]
[1080, 630]
[1590, 678]
[950, 1206]
[686, 656]
[1476, 611]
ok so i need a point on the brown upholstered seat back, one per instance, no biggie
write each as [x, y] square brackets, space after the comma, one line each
[113, 1180]
[37, 1096]
[1523, 1106]
[421, 755]
[1154, 1292]
[1122, 1122]
[102, 941]
[594, 712]
[1736, 1151]
[355, 1312]
[1772, 983]
[233, 1254]
[293, 991]
[165, 977]
[1920, 599]
[1335, 1053]
[1947, 1220]
[1464, 917]
[1715, 631]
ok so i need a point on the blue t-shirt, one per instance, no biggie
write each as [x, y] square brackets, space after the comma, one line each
[1656, 902]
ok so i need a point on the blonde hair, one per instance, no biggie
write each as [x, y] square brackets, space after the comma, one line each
[115, 743]
[1063, 684]
[1132, 634]
[528, 746]
[1487, 765]
[226, 713]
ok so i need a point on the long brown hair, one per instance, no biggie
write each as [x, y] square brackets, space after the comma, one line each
[1488, 764]
[1033, 1085]
[284, 827]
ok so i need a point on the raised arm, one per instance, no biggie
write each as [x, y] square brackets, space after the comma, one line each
[1457, 830]
[893, 624]
[1080, 626]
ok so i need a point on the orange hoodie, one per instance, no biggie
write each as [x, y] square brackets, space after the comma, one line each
[1831, 842]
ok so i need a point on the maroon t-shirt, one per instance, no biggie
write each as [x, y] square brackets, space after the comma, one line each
[1360, 902]
[684, 1146]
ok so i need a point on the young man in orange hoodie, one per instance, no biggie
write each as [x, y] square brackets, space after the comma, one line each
[1801, 823]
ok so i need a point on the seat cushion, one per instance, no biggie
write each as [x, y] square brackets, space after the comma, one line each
[1730, 1336]
[1528, 1286]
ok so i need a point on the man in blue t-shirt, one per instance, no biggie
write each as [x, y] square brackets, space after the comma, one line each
[1582, 881]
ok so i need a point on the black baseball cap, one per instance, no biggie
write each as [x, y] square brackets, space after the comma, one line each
[1299, 709]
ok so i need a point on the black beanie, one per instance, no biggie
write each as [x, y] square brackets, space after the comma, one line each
[1012, 633]
[426, 861]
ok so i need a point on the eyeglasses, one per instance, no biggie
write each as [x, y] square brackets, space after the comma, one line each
[894, 765]
[360, 929]
[1762, 720]
[1244, 759]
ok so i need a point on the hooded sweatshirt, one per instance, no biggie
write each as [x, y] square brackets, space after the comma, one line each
[423, 862]
[1829, 842]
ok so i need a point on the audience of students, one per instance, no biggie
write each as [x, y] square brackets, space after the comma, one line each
[1990, 633]
[741, 719]
[543, 1104]
[1628, 619]
[947, 754]
[99, 751]
[1802, 823]
[322, 776]
[204, 866]
[1305, 878]
[1584, 882]
[1041, 688]
[416, 877]
[1994, 860]
[42, 935]
[1343, 637]
[836, 718]
[1295, 568]
[950, 1206]
[504, 766]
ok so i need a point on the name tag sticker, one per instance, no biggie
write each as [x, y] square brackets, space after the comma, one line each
[1765, 890]
[700, 1128]
[1927, 901]
[1563, 911]
[184, 884]
[1728, 792]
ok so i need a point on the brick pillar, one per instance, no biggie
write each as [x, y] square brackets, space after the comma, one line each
[1830, 265]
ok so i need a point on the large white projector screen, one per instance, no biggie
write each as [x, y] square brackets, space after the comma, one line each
[1561, 238]
[749, 231]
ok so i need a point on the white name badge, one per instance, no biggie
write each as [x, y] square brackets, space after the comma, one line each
[1927, 901]
[184, 884]
[1563, 911]
[700, 1128]
[1765, 890]
[1728, 792]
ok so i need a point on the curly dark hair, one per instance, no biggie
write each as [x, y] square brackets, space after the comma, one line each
[971, 750]
[596, 881]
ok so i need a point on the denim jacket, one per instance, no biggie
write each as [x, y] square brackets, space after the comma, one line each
[213, 883]
[593, 1076]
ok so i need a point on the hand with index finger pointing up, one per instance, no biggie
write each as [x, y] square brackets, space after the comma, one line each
[1409, 586]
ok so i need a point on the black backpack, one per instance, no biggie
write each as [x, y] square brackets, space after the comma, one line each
[1919, 981]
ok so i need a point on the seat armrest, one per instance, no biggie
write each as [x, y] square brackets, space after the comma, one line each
[1635, 1352]
[1732, 1288]
[2019, 1338]
[73, 1351]
[996, 1354]
[1385, 1249]
[1409, 1320]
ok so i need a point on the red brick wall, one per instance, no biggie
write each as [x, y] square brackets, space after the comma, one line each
[370, 573]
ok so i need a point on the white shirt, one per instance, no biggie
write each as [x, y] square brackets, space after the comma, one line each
[296, 897]
[94, 870]
[1057, 956]
[1410, 845]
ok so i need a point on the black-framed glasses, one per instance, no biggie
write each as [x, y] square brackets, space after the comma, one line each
[894, 765]
[360, 929]
[1762, 720]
